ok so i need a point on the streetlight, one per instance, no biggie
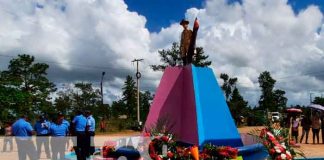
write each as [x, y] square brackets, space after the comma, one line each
[101, 92]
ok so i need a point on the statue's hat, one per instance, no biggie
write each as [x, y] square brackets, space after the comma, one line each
[184, 21]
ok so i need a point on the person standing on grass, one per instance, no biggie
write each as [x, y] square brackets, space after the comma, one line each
[7, 137]
[316, 127]
[294, 128]
[306, 124]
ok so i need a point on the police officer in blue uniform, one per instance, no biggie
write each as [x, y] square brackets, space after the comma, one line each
[42, 127]
[58, 131]
[91, 127]
[23, 131]
[80, 122]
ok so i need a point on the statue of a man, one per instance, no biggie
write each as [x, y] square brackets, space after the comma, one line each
[185, 41]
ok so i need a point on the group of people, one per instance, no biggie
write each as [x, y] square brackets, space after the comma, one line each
[314, 123]
[55, 134]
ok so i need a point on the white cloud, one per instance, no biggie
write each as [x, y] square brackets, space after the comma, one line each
[244, 40]
[241, 40]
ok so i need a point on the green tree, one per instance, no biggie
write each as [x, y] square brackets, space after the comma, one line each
[266, 83]
[171, 57]
[86, 97]
[200, 59]
[118, 108]
[270, 99]
[28, 81]
[228, 85]
[145, 100]
[237, 105]
[280, 99]
[319, 100]
[63, 102]
[129, 97]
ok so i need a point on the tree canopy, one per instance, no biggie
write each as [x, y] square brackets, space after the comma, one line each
[171, 57]
[270, 99]
[27, 85]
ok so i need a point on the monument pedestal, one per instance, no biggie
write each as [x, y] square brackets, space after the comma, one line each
[191, 103]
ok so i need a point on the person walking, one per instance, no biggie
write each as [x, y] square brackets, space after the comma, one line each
[58, 131]
[42, 127]
[80, 122]
[102, 125]
[23, 131]
[316, 127]
[306, 124]
[91, 127]
[7, 137]
[294, 128]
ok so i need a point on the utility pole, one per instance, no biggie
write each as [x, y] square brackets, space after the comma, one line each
[138, 76]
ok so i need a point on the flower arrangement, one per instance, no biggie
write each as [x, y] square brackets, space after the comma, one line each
[177, 152]
[276, 141]
[211, 151]
[276, 146]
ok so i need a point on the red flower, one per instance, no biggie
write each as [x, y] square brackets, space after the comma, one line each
[223, 154]
[165, 139]
[147, 134]
[204, 156]
[279, 157]
[263, 132]
[187, 152]
[288, 156]
[266, 143]
[272, 151]
[170, 154]
[281, 138]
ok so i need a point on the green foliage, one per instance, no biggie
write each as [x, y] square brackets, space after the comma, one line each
[24, 87]
[82, 97]
[235, 101]
[118, 108]
[271, 100]
[238, 105]
[86, 98]
[280, 99]
[228, 85]
[145, 99]
[200, 59]
[171, 57]
[319, 100]
[129, 97]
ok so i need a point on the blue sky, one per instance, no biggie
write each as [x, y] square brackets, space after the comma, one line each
[161, 13]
